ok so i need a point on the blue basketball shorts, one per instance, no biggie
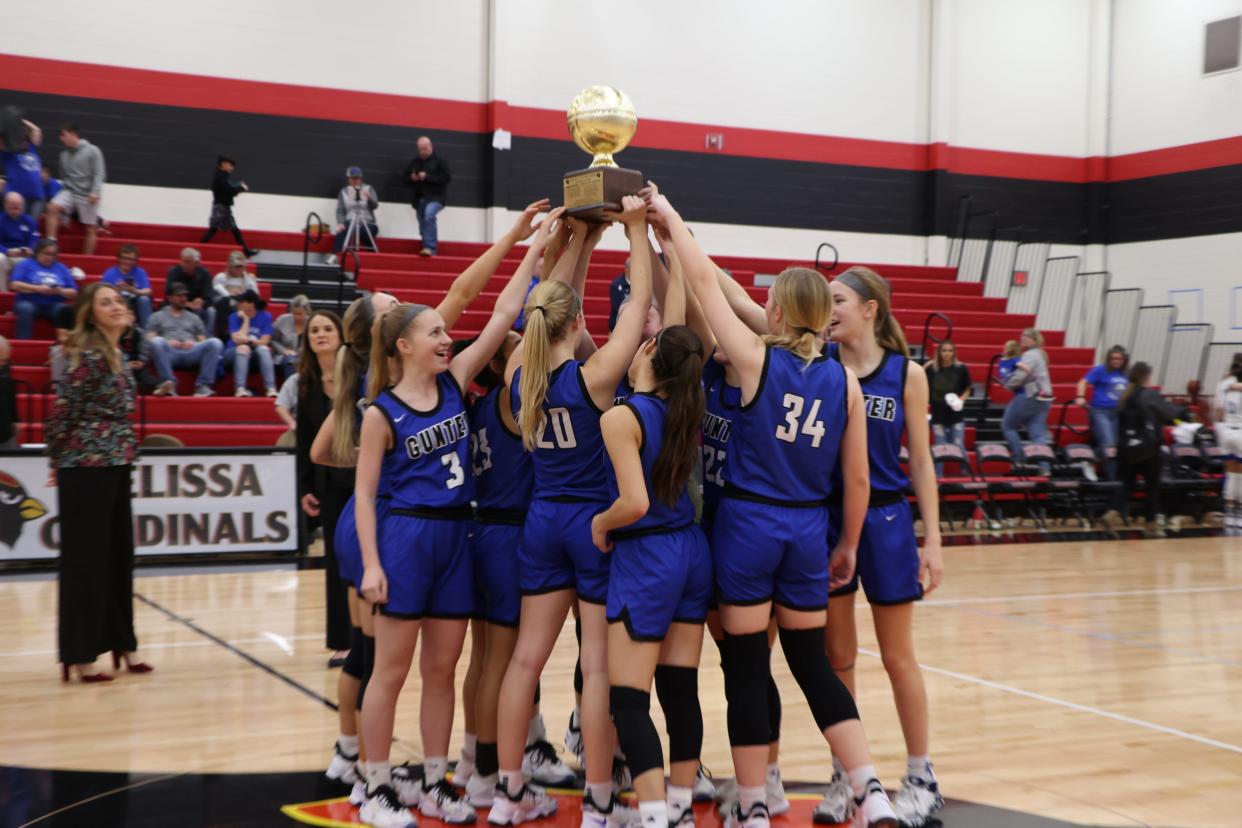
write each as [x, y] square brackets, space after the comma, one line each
[495, 548]
[348, 547]
[428, 566]
[557, 552]
[660, 578]
[763, 552]
[888, 555]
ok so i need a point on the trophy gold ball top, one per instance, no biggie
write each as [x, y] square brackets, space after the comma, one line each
[601, 121]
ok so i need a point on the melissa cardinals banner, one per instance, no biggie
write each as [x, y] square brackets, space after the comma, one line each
[188, 502]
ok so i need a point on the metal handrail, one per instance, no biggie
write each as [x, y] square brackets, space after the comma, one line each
[1062, 425]
[987, 389]
[307, 241]
[928, 336]
[340, 276]
[836, 256]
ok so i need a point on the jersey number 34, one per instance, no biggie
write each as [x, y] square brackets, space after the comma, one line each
[810, 426]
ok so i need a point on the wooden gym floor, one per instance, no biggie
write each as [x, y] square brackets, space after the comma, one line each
[1094, 682]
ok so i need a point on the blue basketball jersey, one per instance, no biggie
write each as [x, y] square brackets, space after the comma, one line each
[503, 472]
[723, 402]
[884, 391]
[624, 389]
[783, 445]
[429, 464]
[652, 412]
[569, 454]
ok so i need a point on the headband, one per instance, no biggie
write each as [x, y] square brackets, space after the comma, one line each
[406, 318]
[855, 283]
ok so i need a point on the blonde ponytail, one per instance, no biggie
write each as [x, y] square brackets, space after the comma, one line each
[351, 361]
[803, 297]
[550, 311]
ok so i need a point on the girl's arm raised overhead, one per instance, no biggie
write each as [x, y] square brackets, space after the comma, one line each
[746, 308]
[475, 277]
[471, 360]
[745, 349]
[606, 366]
[623, 439]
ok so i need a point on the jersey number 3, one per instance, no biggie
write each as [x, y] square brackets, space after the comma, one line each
[813, 428]
[457, 474]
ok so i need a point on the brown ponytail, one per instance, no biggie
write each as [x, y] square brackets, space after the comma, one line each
[351, 362]
[804, 300]
[872, 287]
[678, 367]
[551, 309]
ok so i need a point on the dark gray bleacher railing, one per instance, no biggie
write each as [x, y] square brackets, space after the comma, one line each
[307, 241]
[1030, 258]
[1152, 334]
[836, 257]
[1055, 291]
[340, 277]
[1086, 317]
[1215, 364]
[928, 336]
[987, 391]
[1187, 356]
[1121, 310]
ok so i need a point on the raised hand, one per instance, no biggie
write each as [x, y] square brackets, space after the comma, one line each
[633, 213]
[546, 228]
[524, 226]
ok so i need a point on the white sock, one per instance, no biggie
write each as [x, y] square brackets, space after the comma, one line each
[773, 774]
[434, 768]
[512, 780]
[601, 793]
[467, 746]
[859, 777]
[378, 774]
[654, 813]
[536, 732]
[837, 768]
[920, 767]
[679, 798]
[747, 797]
[347, 744]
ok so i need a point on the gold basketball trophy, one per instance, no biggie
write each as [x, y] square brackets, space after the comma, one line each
[601, 121]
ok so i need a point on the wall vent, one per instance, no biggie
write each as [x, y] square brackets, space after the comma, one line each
[1222, 42]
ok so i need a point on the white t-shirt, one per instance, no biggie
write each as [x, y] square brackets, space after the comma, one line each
[1229, 403]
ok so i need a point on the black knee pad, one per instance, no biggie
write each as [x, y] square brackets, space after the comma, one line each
[774, 711]
[631, 713]
[353, 662]
[678, 691]
[368, 664]
[828, 698]
[747, 670]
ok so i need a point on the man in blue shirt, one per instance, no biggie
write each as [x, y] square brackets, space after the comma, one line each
[22, 169]
[131, 281]
[250, 335]
[18, 233]
[43, 286]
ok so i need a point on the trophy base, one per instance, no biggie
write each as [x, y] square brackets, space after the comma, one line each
[591, 192]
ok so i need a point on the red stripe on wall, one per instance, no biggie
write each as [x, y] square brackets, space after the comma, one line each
[89, 80]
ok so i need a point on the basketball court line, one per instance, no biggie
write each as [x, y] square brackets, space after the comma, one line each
[1065, 596]
[102, 794]
[1081, 708]
[262, 665]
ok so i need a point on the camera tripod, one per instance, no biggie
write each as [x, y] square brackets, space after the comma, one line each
[354, 231]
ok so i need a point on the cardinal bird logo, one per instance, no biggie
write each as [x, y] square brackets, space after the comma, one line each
[16, 509]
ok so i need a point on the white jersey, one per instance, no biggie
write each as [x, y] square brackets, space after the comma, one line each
[1229, 403]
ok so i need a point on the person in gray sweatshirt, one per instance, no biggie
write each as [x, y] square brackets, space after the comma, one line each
[82, 173]
[354, 199]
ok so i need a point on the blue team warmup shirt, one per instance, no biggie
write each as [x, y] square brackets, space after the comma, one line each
[19, 232]
[24, 174]
[33, 273]
[139, 279]
[1108, 385]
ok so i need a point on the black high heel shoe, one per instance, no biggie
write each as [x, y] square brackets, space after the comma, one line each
[131, 666]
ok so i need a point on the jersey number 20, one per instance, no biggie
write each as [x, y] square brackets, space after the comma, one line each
[811, 427]
[562, 427]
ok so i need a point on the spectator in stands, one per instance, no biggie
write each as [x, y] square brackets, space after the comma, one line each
[8, 399]
[287, 402]
[43, 286]
[197, 281]
[178, 339]
[1143, 413]
[429, 175]
[950, 385]
[1108, 381]
[51, 184]
[355, 200]
[22, 167]
[131, 281]
[1010, 354]
[230, 283]
[223, 191]
[1227, 407]
[18, 234]
[250, 338]
[83, 174]
[56, 355]
[134, 346]
[287, 333]
[618, 292]
[1030, 410]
